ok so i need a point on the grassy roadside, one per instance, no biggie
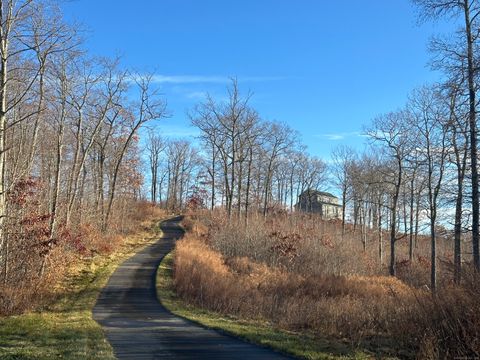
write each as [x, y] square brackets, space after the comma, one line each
[65, 329]
[255, 331]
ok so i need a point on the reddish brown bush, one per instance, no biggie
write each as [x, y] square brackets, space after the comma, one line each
[36, 262]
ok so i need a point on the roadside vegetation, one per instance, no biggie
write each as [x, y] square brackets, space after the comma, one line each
[62, 327]
[394, 270]
[282, 272]
[257, 331]
[69, 151]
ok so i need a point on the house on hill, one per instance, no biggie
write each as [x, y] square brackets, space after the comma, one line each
[319, 202]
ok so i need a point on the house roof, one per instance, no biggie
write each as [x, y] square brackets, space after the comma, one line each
[310, 192]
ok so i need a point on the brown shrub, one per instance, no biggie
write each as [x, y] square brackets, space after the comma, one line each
[298, 244]
[15, 299]
[30, 275]
[450, 321]
[353, 307]
[300, 278]
[128, 215]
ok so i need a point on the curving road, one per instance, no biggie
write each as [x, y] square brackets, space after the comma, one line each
[139, 327]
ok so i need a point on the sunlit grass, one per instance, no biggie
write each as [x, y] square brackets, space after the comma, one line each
[65, 329]
[302, 345]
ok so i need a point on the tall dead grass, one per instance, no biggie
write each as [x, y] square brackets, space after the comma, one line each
[305, 282]
[305, 244]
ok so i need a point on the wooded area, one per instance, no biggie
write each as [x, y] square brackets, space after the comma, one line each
[77, 157]
[69, 145]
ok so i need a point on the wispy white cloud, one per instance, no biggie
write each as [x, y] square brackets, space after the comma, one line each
[177, 131]
[196, 95]
[339, 136]
[214, 79]
[334, 137]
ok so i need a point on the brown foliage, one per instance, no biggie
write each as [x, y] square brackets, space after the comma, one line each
[252, 272]
[353, 307]
[29, 247]
[449, 321]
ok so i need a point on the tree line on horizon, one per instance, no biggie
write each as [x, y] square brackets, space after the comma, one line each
[246, 164]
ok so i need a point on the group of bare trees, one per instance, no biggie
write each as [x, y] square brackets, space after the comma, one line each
[422, 162]
[244, 162]
[250, 163]
[174, 166]
[68, 134]
[414, 170]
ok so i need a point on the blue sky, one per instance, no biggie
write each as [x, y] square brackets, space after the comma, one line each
[324, 67]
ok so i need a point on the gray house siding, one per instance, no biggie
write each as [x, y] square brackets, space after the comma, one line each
[318, 202]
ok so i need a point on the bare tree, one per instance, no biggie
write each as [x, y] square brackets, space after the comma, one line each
[149, 107]
[462, 58]
[279, 138]
[155, 146]
[458, 129]
[224, 125]
[430, 119]
[342, 158]
[390, 131]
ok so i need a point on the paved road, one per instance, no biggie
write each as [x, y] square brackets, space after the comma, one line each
[139, 327]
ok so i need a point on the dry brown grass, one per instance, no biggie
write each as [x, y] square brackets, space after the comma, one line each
[287, 272]
[448, 324]
[352, 307]
[305, 244]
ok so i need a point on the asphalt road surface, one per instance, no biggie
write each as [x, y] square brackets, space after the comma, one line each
[139, 327]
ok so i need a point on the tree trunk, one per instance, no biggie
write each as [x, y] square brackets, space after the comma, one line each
[344, 205]
[393, 224]
[56, 186]
[3, 149]
[458, 234]
[433, 273]
[213, 176]
[247, 190]
[473, 138]
[380, 234]
[410, 245]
